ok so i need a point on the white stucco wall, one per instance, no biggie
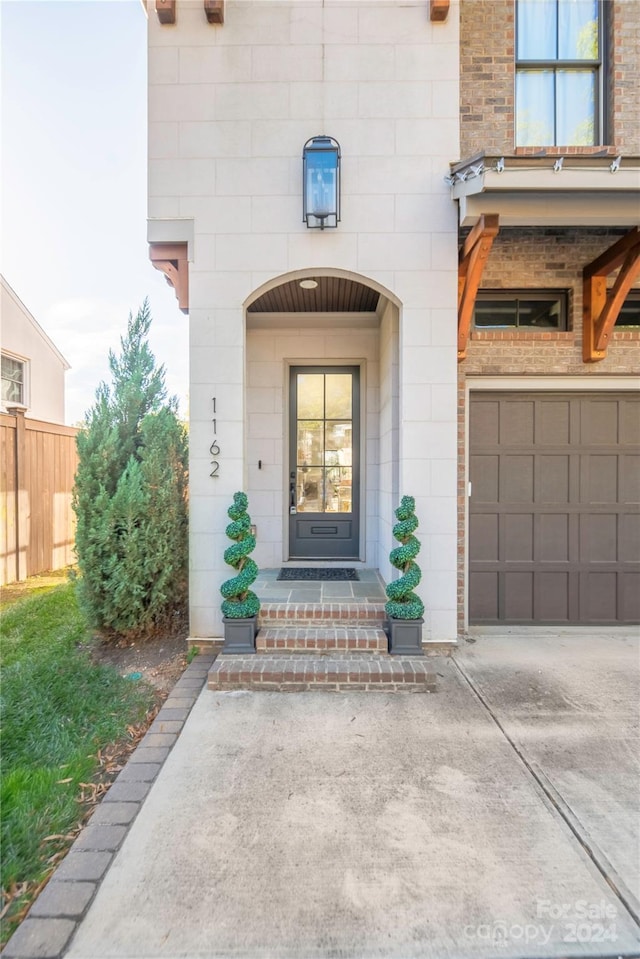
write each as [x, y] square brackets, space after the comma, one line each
[23, 339]
[230, 109]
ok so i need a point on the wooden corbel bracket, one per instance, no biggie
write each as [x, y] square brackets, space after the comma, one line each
[439, 10]
[473, 257]
[601, 307]
[214, 11]
[171, 259]
[166, 10]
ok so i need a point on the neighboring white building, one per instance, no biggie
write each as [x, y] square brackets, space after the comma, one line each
[32, 367]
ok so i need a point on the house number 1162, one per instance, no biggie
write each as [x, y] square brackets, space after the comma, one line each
[214, 449]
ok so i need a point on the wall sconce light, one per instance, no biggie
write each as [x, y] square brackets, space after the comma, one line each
[321, 183]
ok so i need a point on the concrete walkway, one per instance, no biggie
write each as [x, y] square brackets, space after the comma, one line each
[496, 817]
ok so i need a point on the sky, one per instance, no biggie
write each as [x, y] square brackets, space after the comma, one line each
[73, 202]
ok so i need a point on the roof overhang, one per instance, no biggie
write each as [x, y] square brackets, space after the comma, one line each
[548, 190]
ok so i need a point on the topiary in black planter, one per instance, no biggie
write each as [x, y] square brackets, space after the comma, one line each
[240, 607]
[405, 609]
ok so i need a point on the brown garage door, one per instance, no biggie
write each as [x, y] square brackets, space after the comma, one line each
[554, 518]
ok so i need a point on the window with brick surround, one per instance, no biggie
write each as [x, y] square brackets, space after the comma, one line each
[521, 309]
[559, 72]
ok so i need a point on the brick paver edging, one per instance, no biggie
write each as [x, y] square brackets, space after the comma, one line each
[46, 932]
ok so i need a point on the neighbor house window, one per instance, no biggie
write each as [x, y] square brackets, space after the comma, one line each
[526, 309]
[13, 380]
[558, 72]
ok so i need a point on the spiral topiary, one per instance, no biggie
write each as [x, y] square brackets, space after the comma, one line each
[403, 602]
[239, 601]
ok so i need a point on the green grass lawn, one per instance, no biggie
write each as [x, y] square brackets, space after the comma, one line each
[57, 709]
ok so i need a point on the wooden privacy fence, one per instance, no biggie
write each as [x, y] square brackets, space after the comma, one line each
[37, 463]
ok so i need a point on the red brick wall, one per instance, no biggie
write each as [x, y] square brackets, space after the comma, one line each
[487, 53]
[538, 258]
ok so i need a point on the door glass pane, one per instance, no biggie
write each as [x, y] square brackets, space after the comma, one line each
[578, 30]
[575, 99]
[324, 443]
[338, 443]
[338, 392]
[310, 443]
[534, 108]
[309, 489]
[536, 30]
[310, 396]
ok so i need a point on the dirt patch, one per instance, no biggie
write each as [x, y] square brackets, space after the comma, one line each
[160, 660]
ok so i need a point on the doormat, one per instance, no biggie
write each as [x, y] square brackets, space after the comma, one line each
[307, 573]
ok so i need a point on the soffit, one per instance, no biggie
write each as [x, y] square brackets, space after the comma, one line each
[332, 295]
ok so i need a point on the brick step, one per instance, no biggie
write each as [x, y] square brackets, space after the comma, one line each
[283, 672]
[296, 639]
[322, 614]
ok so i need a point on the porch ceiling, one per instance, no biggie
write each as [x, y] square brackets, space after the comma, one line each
[332, 295]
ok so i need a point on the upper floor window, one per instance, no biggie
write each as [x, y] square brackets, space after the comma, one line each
[558, 72]
[521, 309]
[13, 380]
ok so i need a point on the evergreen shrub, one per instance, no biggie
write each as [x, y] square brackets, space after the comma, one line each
[130, 496]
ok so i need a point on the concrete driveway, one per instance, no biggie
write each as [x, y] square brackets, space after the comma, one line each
[496, 817]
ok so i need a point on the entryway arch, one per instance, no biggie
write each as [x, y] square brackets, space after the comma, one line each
[327, 476]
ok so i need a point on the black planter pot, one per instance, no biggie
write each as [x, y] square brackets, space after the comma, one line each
[405, 636]
[240, 635]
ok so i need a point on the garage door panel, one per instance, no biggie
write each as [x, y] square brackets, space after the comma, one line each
[629, 429]
[600, 479]
[555, 515]
[553, 421]
[551, 597]
[483, 596]
[598, 596]
[518, 597]
[630, 479]
[517, 423]
[553, 538]
[629, 598]
[484, 421]
[516, 479]
[599, 421]
[599, 538]
[552, 478]
[485, 471]
[483, 528]
[518, 537]
[629, 538]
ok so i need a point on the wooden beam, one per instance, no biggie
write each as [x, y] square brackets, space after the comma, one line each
[629, 272]
[214, 11]
[439, 10]
[171, 259]
[601, 308]
[166, 10]
[473, 257]
[612, 258]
